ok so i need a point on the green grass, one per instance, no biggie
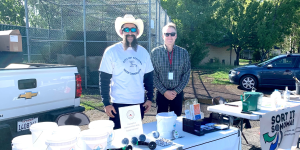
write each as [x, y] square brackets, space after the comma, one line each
[91, 105]
[90, 99]
[215, 74]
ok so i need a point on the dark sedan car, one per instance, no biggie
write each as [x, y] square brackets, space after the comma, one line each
[278, 71]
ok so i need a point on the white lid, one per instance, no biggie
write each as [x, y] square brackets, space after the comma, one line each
[24, 139]
[61, 138]
[43, 126]
[98, 124]
[166, 114]
[91, 133]
[67, 129]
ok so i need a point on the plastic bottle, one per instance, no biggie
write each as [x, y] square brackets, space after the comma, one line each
[276, 98]
[286, 95]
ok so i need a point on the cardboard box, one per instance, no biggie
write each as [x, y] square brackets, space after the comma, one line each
[10, 41]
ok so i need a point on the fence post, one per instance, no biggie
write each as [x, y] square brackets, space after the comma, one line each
[156, 31]
[27, 32]
[149, 28]
[84, 45]
[159, 30]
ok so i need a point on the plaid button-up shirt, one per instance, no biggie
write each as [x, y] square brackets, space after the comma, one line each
[181, 68]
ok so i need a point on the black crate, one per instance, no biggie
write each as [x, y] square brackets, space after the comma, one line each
[194, 126]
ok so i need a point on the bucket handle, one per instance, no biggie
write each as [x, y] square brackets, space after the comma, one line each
[245, 98]
[38, 137]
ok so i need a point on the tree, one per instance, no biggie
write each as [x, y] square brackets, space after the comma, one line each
[275, 20]
[12, 12]
[238, 19]
[195, 25]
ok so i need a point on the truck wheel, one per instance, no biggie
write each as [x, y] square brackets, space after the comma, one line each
[248, 82]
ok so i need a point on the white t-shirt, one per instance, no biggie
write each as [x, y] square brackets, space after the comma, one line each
[127, 68]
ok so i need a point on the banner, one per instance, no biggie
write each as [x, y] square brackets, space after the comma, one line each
[280, 129]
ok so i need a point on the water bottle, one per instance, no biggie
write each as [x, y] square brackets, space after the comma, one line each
[276, 98]
[286, 95]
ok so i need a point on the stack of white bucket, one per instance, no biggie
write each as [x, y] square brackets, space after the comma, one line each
[48, 136]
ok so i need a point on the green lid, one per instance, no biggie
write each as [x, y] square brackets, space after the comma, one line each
[253, 93]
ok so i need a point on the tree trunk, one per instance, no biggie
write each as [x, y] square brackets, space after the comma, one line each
[237, 51]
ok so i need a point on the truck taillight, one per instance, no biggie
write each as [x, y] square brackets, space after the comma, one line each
[78, 85]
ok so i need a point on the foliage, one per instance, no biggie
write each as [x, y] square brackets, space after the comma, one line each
[195, 25]
[256, 55]
[12, 12]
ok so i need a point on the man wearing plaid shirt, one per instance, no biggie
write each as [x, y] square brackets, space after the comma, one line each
[171, 71]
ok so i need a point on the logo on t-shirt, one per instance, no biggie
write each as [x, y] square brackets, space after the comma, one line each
[132, 65]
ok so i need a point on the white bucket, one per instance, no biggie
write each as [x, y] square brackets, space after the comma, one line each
[166, 123]
[91, 140]
[61, 142]
[104, 125]
[40, 132]
[23, 142]
[67, 129]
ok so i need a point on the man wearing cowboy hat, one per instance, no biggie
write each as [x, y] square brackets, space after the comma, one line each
[171, 71]
[126, 71]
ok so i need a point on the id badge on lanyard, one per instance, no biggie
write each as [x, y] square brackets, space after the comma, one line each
[170, 74]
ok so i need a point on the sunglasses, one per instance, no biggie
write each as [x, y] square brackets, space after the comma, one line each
[172, 34]
[129, 29]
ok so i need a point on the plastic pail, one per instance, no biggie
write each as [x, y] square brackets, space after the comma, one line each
[40, 132]
[91, 139]
[61, 142]
[67, 129]
[104, 125]
[23, 142]
[166, 123]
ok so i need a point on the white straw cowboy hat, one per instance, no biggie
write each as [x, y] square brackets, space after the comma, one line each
[129, 19]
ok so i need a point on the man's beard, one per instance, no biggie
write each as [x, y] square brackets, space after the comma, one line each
[134, 43]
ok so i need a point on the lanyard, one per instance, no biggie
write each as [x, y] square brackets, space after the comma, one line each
[170, 58]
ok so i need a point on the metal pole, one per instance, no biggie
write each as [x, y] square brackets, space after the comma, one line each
[149, 28]
[159, 30]
[27, 32]
[165, 17]
[156, 39]
[84, 45]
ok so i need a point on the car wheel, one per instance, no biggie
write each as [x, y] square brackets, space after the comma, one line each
[248, 82]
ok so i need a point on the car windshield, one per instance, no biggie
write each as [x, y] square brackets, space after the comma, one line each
[267, 61]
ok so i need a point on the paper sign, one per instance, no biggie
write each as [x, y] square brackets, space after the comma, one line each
[14, 38]
[131, 121]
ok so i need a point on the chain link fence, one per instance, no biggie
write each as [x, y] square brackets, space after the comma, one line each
[76, 32]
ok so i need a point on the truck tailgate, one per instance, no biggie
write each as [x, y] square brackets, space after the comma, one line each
[35, 90]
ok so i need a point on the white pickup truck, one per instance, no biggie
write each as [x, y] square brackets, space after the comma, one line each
[31, 93]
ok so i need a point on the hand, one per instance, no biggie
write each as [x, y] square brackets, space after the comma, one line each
[174, 92]
[108, 110]
[147, 106]
[170, 95]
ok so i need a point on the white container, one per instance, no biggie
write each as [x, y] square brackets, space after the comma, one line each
[276, 98]
[67, 129]
[104, 125]
[61, 142]
[23, 142]
[166, 123]
[91, 140]
[40, 132]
